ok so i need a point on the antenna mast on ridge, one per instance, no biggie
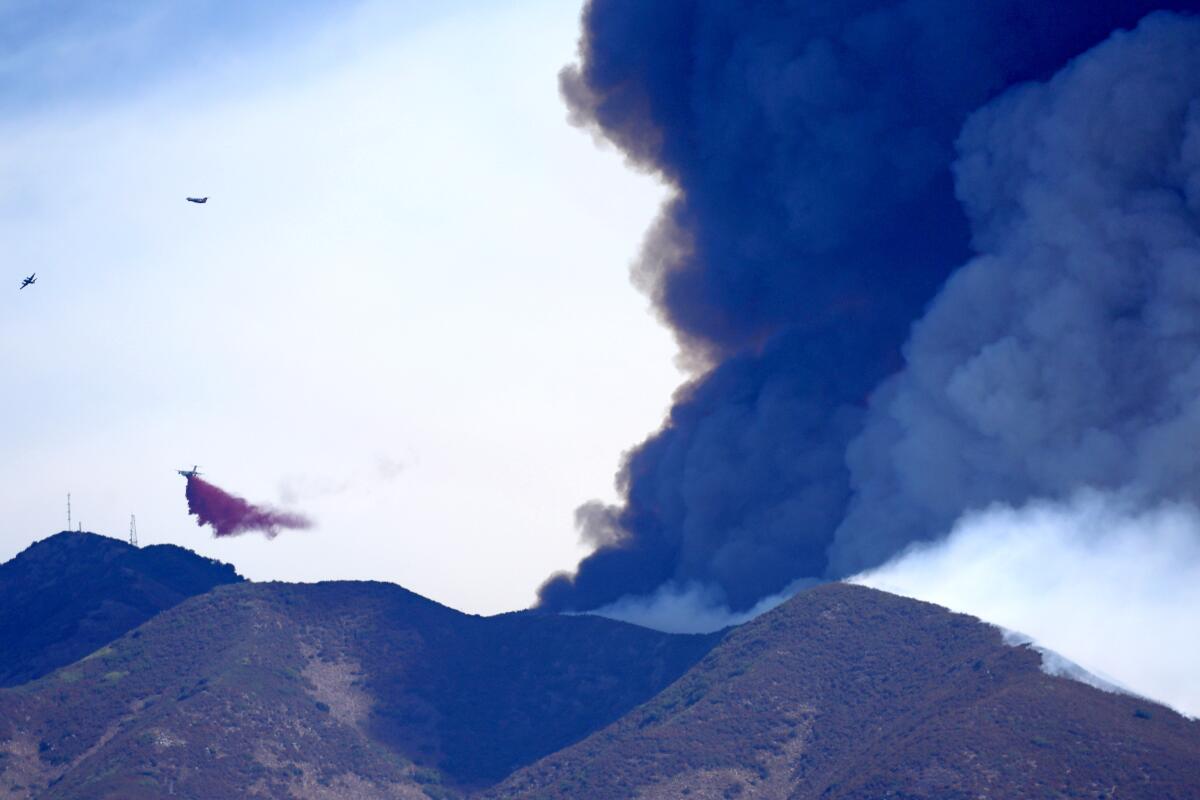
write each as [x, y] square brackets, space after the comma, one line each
[68, 511]
[133, 530]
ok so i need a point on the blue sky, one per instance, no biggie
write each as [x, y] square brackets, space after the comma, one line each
[405, 311]
[60, 51]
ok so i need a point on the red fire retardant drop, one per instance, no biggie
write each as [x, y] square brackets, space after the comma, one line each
[230, 515]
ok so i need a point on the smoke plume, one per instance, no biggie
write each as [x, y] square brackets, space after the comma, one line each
[814, 218]
[693, 608]
[230, 515]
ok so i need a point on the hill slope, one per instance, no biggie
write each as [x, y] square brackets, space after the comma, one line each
[70, 594]
[325, 691]
[846, 692]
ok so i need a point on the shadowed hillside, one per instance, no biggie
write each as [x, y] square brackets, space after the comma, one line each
[325, 690]
[356, 690]
[846, 692]
[68, 595]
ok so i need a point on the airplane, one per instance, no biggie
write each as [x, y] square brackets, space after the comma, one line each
[197, 199]
[32, 279]
[194, 472]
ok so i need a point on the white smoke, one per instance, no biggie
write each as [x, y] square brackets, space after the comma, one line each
[1067, 354]
[1055, 663]
[691, 608]
[1110, 586]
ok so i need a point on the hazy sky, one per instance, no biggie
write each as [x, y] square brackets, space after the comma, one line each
[404, 312]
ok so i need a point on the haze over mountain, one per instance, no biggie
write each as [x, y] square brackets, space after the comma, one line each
[69, 594]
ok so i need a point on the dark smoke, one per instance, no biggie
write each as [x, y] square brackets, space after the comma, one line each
[230, 515]
[814, 218]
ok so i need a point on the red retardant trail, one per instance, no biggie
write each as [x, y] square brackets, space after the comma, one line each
[230, 515]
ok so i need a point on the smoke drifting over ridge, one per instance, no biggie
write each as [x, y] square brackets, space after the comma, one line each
[230, 515]
[1098, 578]
[815, 217]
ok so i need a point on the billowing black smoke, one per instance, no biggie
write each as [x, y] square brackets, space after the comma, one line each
[815, 216]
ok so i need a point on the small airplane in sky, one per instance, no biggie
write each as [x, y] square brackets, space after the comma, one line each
[194, 472]
[32, 279]
[197, 199]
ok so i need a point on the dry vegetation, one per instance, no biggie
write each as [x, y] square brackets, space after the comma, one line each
[364, 690]
[846, 692]
[324, 691]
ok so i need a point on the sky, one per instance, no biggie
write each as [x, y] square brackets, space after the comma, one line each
[403, 311]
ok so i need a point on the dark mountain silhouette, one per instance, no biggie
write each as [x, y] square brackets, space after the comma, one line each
[326, 690]
[70, 594]
[846, 692]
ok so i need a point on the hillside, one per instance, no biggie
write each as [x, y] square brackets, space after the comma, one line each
[845, 692]
[70, 594]
[325, 691]
[365, 690]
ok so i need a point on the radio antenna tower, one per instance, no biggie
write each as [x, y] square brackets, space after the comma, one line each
[68, 511]
[133, 530]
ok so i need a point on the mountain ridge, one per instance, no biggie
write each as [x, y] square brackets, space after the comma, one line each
[848, 692]
[364, 689]
[73, 592]
[352, 684]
